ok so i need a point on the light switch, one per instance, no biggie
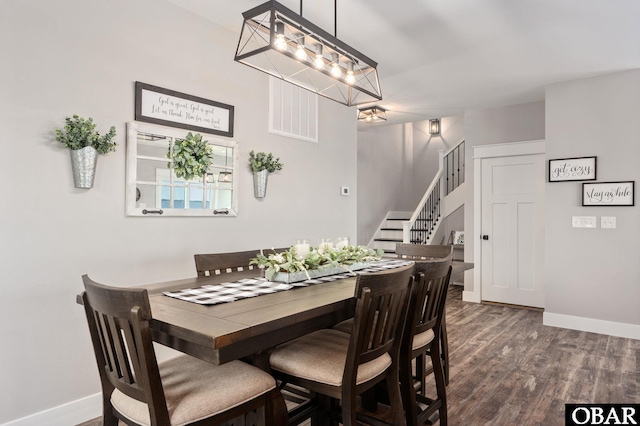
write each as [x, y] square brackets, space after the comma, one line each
[344, 190]
[583, 222]
[608, 222]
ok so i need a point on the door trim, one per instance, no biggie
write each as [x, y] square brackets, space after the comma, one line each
[479, 153]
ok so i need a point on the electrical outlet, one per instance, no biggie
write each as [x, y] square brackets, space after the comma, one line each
[608, 222]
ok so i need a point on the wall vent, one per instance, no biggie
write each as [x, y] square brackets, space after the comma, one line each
[293, 111]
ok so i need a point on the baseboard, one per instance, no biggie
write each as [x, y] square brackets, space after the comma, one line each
[471, 296]
[71, 413]
[610, 328]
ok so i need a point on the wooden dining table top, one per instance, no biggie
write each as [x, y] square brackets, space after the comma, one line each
[223, 332]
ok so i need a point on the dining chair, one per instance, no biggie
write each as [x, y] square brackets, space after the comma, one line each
[426, 252]
[421, 338]
[223, 263]
[336, 366]
[184, 390]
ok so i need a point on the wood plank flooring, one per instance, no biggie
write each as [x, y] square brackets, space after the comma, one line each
[508, 369]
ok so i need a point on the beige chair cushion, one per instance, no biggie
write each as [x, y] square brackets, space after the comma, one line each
[321, 356]
[422, 339]
[419, 340]
[195, 389]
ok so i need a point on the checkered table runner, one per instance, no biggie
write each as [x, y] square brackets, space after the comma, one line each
[213, 294]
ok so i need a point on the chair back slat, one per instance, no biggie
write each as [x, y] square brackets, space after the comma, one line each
[224, 263]
[382, 299]
[118, 320]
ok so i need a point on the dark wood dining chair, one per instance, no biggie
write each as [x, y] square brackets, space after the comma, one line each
[224, 263]
[336, 366]
[181, 391]
[426, 252]
[421, 339]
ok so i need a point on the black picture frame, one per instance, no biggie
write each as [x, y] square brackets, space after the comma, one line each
[604, 194]
[572, 169]
[176, 109]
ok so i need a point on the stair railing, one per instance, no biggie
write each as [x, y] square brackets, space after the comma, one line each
[423, 222]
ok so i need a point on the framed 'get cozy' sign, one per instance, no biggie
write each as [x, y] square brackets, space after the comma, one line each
[572, 169]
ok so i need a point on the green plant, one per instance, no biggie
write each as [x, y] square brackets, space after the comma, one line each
[79, 133]
[289, 261]
[192, 156]
[263, 161]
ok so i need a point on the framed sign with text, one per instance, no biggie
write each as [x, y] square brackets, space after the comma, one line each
[572, 169]
[608, 194]
[170, 108]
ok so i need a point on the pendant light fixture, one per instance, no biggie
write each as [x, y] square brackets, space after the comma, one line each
[277, 41]
[373, 114]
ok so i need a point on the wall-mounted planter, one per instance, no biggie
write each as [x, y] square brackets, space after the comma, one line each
[260, 183]
[83, 162]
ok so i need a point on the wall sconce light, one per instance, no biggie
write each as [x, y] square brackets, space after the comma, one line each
[434, 126]
[278, 41]
[372, 114]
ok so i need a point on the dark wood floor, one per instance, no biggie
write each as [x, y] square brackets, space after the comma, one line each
[508, 369]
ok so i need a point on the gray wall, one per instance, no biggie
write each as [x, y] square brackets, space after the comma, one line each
[396, 164]
[65, 57]
[594, 273]
[490, 126]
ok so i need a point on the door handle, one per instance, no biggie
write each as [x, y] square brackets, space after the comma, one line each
[485, 237]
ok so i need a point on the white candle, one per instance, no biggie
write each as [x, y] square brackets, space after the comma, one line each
[325, 245]
[342, 242]
[302, 249]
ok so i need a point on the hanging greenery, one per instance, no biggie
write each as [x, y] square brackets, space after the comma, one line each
[192, 156]
[79, 132]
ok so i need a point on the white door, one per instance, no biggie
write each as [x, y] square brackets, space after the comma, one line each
[512, 233]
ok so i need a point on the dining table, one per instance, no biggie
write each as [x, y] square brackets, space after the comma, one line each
[249, 327]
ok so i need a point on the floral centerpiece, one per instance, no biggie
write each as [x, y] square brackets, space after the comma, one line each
[319, 260]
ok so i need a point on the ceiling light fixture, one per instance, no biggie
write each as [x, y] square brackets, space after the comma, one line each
[277, 41]
[374, 114]
[434, 126]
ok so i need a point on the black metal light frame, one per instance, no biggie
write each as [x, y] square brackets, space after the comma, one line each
[272, 23]
[372, 114]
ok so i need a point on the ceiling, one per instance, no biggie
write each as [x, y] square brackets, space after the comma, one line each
[444, 57]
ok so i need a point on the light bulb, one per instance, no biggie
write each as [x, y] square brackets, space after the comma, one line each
[319, 62]
[335, 68]
[350, 79]
[300, 52]
[280, 42]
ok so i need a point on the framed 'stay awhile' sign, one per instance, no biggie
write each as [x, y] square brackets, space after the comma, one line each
[170, 108]
[608, 194]
[572, 169]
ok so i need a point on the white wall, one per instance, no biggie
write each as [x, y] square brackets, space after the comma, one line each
[594, 273]
[497, 125]
[64, 57]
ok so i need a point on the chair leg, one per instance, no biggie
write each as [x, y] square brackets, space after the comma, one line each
[395, 399]
[276, 409]
[445, 349]
[441, 387]
[348, 402]
[407, 392]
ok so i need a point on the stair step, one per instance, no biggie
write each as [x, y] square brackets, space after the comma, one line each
[399, 219]
[388, 239]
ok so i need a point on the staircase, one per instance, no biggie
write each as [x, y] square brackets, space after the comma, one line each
[443, 196]
[390, 232]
